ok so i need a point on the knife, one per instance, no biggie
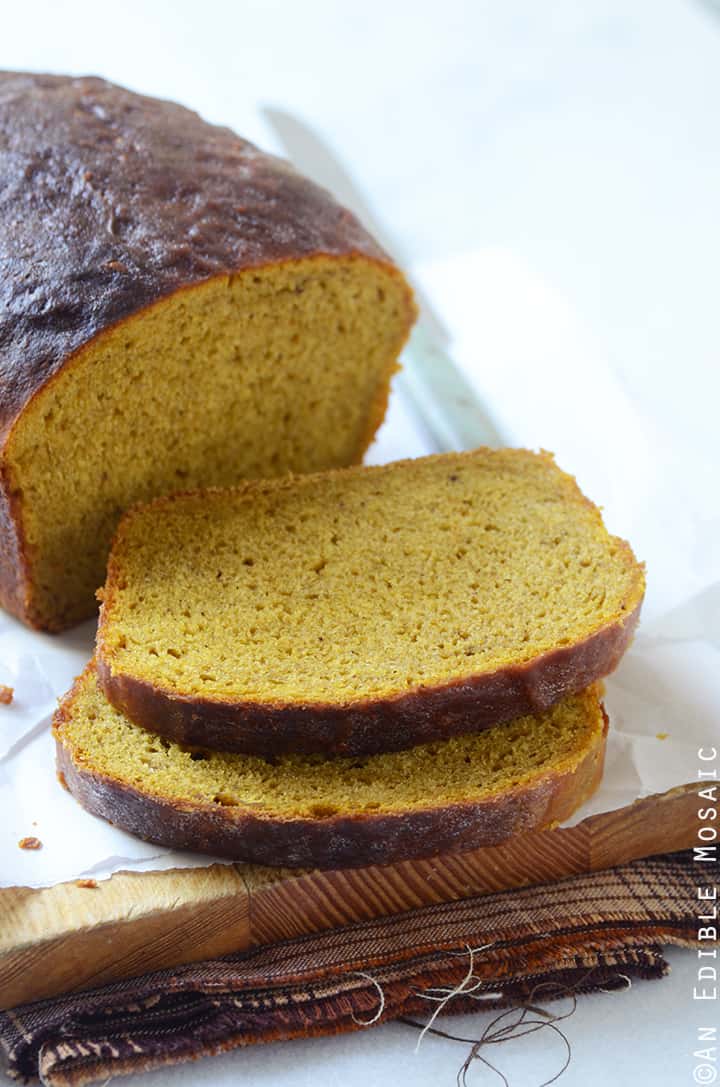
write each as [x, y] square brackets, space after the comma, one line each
[442, 398]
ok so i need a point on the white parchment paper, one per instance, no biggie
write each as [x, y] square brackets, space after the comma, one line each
[547, 383]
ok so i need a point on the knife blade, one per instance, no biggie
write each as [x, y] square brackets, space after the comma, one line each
[444, 401]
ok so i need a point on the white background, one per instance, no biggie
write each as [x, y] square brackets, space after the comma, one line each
[552, 173]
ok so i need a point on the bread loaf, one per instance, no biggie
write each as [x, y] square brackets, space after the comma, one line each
[177, 309]
[306, 811]
[364, 610]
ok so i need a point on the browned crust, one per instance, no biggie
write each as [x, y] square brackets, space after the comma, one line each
[336, 841]
[159, 201]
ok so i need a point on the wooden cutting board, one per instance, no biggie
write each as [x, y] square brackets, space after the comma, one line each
[63, 938]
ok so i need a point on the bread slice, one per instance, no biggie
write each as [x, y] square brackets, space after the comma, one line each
[304, 810]
[177, 309]
[364, 610]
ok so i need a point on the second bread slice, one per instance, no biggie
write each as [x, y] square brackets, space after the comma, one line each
[306, 811]
[364, 610]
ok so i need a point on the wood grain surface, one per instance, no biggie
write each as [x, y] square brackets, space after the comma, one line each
[70, 937]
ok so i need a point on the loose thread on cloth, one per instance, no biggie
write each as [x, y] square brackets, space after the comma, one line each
[381, 1008]
[464, 988]
[503, 1027]
[508, 1025]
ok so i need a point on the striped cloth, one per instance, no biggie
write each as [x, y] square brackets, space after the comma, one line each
[512, 948]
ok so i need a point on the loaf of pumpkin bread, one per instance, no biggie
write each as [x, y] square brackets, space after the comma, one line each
[177, 309]
[366, 609]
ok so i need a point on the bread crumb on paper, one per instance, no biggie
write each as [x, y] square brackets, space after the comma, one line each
[6, 694]
[30, 843]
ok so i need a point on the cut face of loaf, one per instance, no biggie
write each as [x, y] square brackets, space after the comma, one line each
[177, 309]
[364, 610]
[305, 811]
